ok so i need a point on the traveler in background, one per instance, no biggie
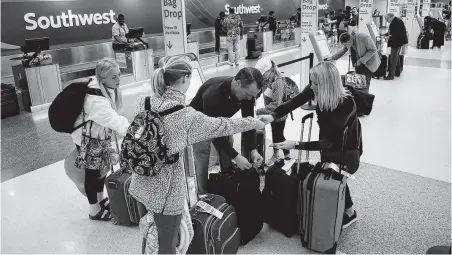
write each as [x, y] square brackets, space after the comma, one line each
[272, 24]
[353, 25]
[363, 51]
[298, 17]
[219, 30]
[339, 21]
[119, 31]
[224, 97]
[277, 90]
[165, 193]
[93, 140]
[335, 108]
[234, 27]
[439, 30]
[397, 38]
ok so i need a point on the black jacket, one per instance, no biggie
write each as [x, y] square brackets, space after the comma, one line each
[219, 27]
[397, 31]
[331, 127]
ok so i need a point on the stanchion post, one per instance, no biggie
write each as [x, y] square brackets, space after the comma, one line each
[309, 106]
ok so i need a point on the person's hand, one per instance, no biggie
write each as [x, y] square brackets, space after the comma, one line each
[242, 162]
[286, 145]
[259, 124]
[256, 158]
[266, 118]
[358, 63]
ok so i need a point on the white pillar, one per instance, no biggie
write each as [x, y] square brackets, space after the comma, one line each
[174, 30]
[309, 23]
[365, 15]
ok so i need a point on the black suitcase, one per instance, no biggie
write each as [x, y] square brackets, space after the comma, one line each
[423, 41]
[399, 67]
[125, 210]
[280, 194]
[381, 71]
[253, 46]
[213, 235]
[242, 190]
[10, 104]
[260, 140]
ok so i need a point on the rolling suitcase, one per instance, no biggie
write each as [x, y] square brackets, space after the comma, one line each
[260, 140]
[212, 235]
[280, 194]
[322, 206]
[10, 104]
[242, 190]
[125, 209]
[381, 71]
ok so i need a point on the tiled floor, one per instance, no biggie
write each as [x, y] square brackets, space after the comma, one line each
[402, 191]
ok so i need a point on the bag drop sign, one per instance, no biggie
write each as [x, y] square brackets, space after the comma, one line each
[365, 15]
[173, 14]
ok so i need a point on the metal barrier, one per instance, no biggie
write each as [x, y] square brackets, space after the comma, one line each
[309, 106]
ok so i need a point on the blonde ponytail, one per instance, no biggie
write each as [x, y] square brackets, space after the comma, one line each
[170, 70]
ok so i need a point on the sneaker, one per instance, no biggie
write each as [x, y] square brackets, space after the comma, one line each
[272, 160]
[237, 64]
[389, 78]
[349, 220]
[231, 64]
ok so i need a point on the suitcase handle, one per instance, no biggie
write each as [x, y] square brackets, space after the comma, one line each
[300, 152]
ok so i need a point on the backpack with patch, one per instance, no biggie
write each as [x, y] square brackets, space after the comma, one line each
[144, 150]
[68, 105]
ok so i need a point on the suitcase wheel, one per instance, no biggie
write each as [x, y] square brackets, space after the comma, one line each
[114, 221]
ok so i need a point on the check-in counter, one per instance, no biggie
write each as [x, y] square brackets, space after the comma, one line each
[136, 66]
[41, 83]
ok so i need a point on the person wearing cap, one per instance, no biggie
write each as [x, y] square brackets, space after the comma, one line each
[277, 90]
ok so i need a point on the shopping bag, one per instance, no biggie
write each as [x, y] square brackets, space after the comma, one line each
[357, 81]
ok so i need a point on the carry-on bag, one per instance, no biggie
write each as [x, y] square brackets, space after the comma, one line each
[280, 194]
[242, 190]
[125, 209]
[323, 205]
[260, 140]
[214, 220]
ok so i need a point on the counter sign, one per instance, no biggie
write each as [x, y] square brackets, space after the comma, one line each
[174, 31]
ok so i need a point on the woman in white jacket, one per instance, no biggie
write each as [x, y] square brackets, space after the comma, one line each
[164, 194]
[93, 140]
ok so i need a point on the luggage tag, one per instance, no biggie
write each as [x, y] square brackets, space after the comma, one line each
[334, 167]
[288, 166]
[209, 209]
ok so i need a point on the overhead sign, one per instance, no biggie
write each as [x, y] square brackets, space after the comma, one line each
[309, 24]
[393, 7]
[244, 9]
[174, 30]
[425, 8]
[365, 15]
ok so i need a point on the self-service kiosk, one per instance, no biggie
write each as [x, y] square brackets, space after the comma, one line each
[320, 45]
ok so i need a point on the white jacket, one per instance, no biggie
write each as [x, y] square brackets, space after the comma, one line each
[100, 111]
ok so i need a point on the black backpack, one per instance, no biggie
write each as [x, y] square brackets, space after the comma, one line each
[144, 150]
[68, 105]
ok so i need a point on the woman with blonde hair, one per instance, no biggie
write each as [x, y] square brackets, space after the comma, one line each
[93, 133]
[165, 193]
[336, 110]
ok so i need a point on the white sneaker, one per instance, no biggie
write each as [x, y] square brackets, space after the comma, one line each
[231, 64]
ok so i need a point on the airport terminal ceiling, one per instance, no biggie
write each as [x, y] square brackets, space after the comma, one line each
[69, 22]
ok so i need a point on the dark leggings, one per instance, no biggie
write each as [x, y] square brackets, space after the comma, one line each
[93, 184]
[168, 229]
[278, 133]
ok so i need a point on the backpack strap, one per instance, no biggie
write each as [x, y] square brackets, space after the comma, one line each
[171, 110]
[147, 103]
